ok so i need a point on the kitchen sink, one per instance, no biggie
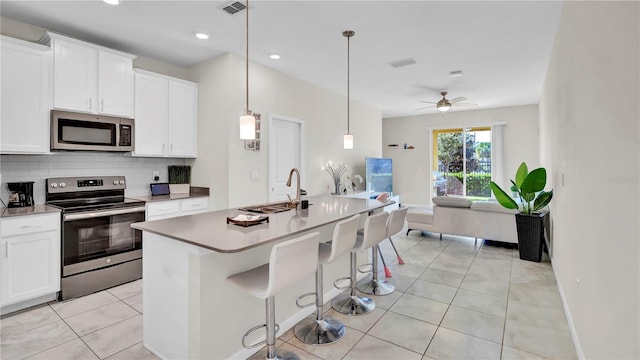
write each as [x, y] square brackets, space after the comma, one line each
[268, 208]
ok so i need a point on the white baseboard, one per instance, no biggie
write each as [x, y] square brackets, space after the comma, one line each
[567, 313]
[293, 320]
[7, 309]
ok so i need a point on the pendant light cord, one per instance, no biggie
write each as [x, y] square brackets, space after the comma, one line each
[348, 34]
[247, 62]
[348, 79]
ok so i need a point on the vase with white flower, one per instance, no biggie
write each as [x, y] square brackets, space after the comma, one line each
[336, 171]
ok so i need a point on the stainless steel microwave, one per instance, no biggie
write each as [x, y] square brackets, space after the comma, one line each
[88, 132]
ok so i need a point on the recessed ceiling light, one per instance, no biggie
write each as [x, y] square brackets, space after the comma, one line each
[274, 56]
[112, 2]
[457, 73]
[202, 36]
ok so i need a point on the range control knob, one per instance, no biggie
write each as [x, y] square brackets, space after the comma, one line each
[115, 182]
[62, 184]
[54, 185]
[108, 260]
[121, 182]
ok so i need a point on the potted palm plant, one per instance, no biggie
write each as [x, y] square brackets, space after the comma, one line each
[529, 186]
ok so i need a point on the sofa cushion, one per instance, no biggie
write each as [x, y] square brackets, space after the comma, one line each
[452, 201]
[420, 215]
[492, 206]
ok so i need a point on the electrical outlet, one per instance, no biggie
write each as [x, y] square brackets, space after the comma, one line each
[156, 176]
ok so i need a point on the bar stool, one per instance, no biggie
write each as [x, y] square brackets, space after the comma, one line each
[394, 226]
[374, 231]
[291, 261]
[325, 330]
[373, 236]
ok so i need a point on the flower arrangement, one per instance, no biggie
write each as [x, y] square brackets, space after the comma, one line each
[336, 171]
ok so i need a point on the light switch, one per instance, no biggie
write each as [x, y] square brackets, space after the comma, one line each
[254, 175]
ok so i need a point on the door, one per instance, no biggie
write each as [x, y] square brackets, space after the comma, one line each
[183, 102]
[115, 84]
[25, 97]
[30, 267]
[152, 118]
[285, 153]
[74, 77]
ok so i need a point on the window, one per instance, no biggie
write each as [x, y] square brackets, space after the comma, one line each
[462, 160]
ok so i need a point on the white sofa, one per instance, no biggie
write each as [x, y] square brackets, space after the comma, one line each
[459, 216]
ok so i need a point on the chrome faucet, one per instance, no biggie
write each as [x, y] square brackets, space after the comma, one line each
[296, 201]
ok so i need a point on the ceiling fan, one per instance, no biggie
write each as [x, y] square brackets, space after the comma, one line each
[445, 104]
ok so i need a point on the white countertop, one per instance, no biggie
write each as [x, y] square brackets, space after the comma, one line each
[211, 231]
[29, 210]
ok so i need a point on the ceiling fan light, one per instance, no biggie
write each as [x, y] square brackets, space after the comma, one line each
[348, 141]
[247, 127]
[443, 105]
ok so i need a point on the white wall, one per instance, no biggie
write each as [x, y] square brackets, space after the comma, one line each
[28, 32]
[412, 168]
[589, 137]
[224, 165]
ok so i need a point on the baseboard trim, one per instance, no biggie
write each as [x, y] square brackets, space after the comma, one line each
[567, 312]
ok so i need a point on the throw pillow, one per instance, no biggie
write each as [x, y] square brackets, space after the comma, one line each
[452, 201]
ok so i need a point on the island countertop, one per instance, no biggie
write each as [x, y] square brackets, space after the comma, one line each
[211, 231]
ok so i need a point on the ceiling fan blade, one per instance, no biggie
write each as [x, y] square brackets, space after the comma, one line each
[428, 102]
[464, 104]
[458, 99]
[428, 107]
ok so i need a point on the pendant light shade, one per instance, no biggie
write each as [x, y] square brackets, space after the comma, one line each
[247, 127]
[247, 120]
[348, 137]
[348, 141]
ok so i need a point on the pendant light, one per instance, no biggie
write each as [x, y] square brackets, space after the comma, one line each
[348, 137]
[247, 120]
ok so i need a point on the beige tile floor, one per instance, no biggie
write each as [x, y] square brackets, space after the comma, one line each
[454, 299]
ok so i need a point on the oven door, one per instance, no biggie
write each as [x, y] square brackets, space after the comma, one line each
[95, 239]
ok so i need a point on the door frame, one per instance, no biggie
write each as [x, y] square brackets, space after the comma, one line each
[272, 165]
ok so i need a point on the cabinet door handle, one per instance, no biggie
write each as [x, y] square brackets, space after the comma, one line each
[102, 105]
[30, 226]
[90, 103]
[171, 148]
[163, 147]
[6, 249]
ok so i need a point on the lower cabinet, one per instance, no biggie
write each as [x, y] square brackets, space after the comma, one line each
[172, 208]
[30, 261]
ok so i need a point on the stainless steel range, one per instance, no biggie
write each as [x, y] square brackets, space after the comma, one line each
[99, 248]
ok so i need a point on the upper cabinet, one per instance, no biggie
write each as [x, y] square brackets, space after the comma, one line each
[166, 116]
[25, 97]
[90, 78]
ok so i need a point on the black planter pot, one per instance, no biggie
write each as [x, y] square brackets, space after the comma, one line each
[530, 236]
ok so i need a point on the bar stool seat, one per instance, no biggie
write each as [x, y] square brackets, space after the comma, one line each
[374, 232]
[318, 329]
[290, 262]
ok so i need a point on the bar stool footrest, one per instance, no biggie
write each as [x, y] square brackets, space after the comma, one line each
[261, 343]
[302, 306]
[335, 283]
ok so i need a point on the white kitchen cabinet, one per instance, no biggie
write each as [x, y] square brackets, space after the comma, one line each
[165, 115]
[157, 210]
[30, 261]
[25, 97]
[90, 78]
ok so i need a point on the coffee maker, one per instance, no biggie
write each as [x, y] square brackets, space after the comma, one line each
[21, 194]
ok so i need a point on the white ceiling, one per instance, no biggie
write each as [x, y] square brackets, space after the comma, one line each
[502, 47]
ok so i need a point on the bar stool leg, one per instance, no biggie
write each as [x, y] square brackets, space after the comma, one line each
[352, 304]
[375, 286]
[321, 330]
[272, 353]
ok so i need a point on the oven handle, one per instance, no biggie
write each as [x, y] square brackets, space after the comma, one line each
[71, 217]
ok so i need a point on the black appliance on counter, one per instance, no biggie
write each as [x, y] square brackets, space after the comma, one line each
[99, 248]
[21, 194]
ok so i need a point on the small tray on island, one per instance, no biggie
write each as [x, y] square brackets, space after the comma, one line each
[247, 220]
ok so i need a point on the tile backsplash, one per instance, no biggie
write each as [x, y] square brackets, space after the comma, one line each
[38, 168]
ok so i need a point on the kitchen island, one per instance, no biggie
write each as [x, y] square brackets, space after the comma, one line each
[190, 311]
